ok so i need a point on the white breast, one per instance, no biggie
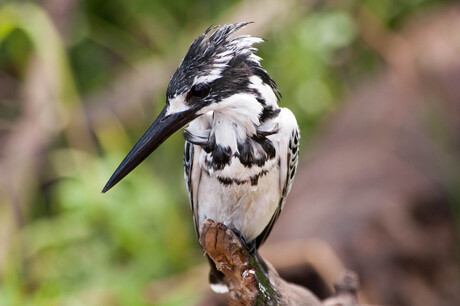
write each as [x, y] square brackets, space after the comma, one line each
[244, 207]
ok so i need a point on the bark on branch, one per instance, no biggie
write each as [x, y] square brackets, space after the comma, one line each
[252, 281]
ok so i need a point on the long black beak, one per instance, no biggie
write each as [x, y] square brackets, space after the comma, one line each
[163, 127]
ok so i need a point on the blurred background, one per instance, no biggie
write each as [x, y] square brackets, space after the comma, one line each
[374, 86]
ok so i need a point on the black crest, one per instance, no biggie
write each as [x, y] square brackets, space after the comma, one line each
[219, 52]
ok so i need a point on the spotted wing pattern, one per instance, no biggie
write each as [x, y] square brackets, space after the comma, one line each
[292, 160]
[188, 167]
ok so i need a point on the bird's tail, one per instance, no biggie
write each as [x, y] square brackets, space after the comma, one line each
[216, 278]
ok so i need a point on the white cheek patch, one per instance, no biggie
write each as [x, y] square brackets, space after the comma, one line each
[241, 107]
[176, 105]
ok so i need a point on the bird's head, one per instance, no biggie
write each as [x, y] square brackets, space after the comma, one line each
[216, 69]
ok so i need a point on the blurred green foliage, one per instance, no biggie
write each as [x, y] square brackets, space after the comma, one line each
[79, 247]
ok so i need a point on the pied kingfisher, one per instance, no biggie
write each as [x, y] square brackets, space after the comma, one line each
[241, 148]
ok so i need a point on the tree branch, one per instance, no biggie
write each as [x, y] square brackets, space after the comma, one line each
[252, 281]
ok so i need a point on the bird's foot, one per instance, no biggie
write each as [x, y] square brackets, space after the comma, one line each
[250, 246]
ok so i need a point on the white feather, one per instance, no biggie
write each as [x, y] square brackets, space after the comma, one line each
[264, 89]
[219, 288]
[176, 104]
[242, 108]
[212, 76]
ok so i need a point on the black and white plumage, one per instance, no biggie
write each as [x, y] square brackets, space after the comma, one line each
[241, 148]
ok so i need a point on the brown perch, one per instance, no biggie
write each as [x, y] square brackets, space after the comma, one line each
[252, 281]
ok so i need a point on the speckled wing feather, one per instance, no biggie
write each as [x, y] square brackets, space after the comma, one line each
[189, 156]
[291, 160]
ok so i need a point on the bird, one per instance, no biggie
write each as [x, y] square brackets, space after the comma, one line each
[241, 147]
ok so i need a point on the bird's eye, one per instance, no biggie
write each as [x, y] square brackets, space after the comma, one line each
[200, 90]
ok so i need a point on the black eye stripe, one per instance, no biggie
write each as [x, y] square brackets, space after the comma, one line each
[200, 90]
